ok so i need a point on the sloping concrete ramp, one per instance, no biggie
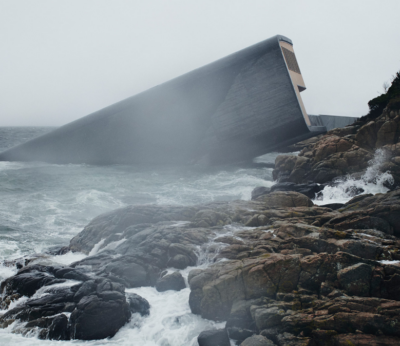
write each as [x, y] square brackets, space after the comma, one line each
[331, 121]
[234, 109]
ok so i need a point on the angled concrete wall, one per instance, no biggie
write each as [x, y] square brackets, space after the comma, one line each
[234, 109]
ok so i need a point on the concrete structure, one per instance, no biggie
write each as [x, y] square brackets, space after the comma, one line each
[331, 121]
[234, 109]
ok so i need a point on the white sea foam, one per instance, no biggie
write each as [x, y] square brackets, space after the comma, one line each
[170, 321]
[6, 272]
[68, 258]
[113, 245]
[372, 181]
[96, 247]
[389, 262]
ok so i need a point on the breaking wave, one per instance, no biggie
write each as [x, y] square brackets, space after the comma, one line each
[373, 181]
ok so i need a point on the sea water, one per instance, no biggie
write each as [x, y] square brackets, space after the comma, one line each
[44, 205]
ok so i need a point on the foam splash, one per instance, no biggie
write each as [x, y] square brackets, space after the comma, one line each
[68, 258]
[389, 262]
[96, 247]
[6, 272]
[372, 181]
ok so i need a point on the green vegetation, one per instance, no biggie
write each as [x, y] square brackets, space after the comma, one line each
[390, 99]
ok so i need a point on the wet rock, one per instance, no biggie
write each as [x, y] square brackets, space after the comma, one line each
[229, 240]
[217, 337]
[52, 328]
[239, 334]
[360, 221]
[259, 191]
[58, 329]
[284, 164]
[125, 220]
[361, 339]
[287, 339]
[181, 256]
[366, 135]
[301, 275]
[131, 271]
[223, 283]
[87, 288]
[285, 199]
[138, 304]
[147, 249]
[257, 340]
[352, 191]
[28, 280]
[356, 279]
[269, 317]
[174, 282]
[310, 189]
[240, 324]
[97, 318]
[99, 307]
[333, 206]
[70, 274]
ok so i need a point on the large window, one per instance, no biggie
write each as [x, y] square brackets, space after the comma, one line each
[291, 60]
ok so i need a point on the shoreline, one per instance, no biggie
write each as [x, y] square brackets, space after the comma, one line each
[288, 272]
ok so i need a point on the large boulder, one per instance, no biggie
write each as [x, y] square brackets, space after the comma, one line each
[367, 135]
[281, 199]
[356, 279]
[259, 191]
[99, 316]
[387, 133]
[98, 307]
[216, 337]
[257, 340]
[310, 189]
[138, 304]
[361, 339]
[174, 282]
[214, 290]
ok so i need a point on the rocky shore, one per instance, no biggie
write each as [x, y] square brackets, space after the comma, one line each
[289, 272]
[299, 274]
[349, 150]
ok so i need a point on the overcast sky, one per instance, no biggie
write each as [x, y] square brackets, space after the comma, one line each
[63, 59]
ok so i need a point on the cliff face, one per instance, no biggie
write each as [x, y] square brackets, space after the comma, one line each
[348, 150]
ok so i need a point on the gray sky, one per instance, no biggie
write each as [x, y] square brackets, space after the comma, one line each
[63, 59]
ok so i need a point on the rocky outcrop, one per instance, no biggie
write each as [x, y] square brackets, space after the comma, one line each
[97, 308]
[309, 276]
[216, 337]
[310, 190]
[172, 281]
[344, 151]
[285, 199]
[257, 340]
[293, 273]
[138, 304]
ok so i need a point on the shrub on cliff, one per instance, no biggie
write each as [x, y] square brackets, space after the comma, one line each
[391, 98]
